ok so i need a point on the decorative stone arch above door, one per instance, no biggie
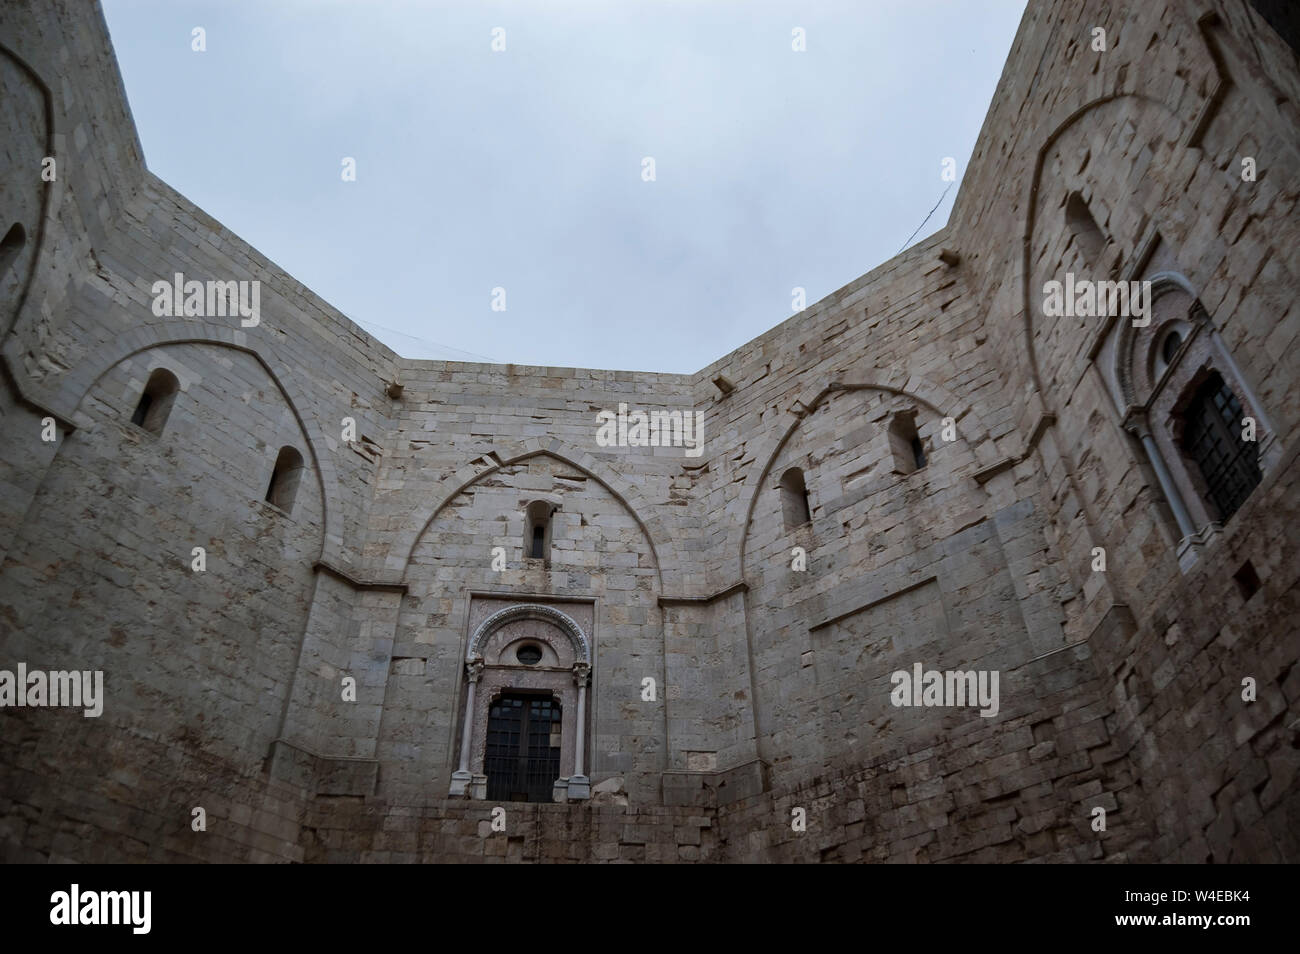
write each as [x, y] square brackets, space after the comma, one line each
[521, 611]
[534, 650]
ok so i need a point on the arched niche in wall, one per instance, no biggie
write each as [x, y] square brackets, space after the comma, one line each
[900, 442]
[1179, 391]
[1065, 175]
[418, 525]
[196, 362]
[137, 507]
[1148, 378]
[167, 334]
[446, 560]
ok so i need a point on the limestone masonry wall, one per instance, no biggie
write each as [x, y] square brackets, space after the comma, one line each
[770, 732]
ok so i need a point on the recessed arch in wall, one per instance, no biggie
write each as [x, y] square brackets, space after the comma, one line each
[1033, 221]
[939, 402]
[77, 385]
[656, 535]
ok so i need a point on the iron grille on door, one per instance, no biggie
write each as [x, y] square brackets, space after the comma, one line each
[1212, 438]
[522, 760]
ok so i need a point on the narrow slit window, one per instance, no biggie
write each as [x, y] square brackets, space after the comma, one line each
[1087, 233]
[11, 246]
[285, 478]
[905, 444]
[537, 530]
[155, 404]
[794, 499]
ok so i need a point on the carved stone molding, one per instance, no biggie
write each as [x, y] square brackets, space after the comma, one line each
[582, 650]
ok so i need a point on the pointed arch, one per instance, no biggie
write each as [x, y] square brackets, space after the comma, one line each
[934, 398]
[1069, 117]
[76, 385]
[656, 534]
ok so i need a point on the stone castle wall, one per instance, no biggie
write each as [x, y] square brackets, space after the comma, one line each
[1119, 689]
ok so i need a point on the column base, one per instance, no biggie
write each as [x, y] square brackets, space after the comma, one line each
[460, 784]
[579, 788]
[1190, 547]
[467, 785]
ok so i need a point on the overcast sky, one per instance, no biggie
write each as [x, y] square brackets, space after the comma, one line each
[523, 169]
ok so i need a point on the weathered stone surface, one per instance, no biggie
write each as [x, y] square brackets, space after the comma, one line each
[770, 733]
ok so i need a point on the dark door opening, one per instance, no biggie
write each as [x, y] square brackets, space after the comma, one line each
[522, 760]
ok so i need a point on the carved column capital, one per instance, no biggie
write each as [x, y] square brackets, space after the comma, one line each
[581, 673]
[1137, 422]
[474, 669]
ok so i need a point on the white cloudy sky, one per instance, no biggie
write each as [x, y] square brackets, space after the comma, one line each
[522, 169]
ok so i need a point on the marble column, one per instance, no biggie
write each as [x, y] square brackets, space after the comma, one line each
[1190, 544]
[579, 783]
[462, 778]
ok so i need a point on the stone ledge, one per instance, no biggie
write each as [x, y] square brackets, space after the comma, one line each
[396, 586]
[711, 789]
[322, 774]
[740, 586]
